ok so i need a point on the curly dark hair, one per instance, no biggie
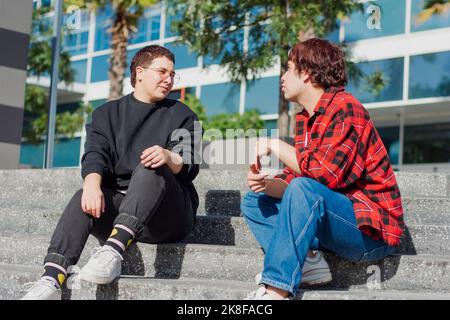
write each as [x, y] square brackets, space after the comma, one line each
[144, 57]
[322, 60]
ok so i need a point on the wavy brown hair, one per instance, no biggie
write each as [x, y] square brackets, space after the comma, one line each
[144, 57]
[322, 60]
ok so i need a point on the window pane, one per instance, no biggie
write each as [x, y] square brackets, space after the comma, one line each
[104, 21]
[390, 71]
[168, 32]
[95, 104]
[75, 40]
[391, 140]
[183, 59]
[435, 21]
[380, 18]
[66, 154]
[235, 39]
[148, 26]
[79, 68]
[263, 95]
[130, 55]
[427, 143]
[218, 98]
[333, 36]
[100, 67]
[429, 75]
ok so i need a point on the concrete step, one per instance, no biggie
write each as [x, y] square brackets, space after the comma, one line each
[221, 230]
[411, 184]
[421, 272]
[417, 210]
[14, 277]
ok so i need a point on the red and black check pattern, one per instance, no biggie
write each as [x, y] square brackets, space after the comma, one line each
[345, 153]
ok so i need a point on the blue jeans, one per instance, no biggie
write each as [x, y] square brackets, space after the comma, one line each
[309, 216]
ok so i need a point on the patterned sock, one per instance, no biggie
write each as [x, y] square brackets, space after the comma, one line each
[121, 237]
[55, 272]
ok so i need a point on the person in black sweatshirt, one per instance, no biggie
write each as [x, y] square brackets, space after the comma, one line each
[141, 156]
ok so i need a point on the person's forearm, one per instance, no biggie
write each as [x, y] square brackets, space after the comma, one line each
[286, 153]
[175, 162]
[93, 179]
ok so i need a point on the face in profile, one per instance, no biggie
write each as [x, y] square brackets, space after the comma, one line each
[292, 83]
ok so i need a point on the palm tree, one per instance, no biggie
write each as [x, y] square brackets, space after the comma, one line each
[126, 15]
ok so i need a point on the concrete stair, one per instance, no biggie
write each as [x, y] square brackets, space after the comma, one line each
[220, 258]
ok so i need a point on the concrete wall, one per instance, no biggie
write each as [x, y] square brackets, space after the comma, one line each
[15, 24]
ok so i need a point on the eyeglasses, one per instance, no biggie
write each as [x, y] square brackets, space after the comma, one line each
[164, 73]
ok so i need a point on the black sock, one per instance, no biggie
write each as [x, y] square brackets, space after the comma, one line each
[121, 237]
[55, 272]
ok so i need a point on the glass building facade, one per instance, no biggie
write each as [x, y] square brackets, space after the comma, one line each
[416, 76]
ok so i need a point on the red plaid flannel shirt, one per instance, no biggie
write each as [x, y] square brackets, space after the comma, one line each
[344, 152]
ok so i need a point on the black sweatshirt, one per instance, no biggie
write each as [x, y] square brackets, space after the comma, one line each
[121, 129]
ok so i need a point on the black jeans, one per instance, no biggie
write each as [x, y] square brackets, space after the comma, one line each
[157, 207]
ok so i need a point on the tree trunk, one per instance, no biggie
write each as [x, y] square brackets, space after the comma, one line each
[283, 104]
[118, 58]
[296, 108]
[283, 108]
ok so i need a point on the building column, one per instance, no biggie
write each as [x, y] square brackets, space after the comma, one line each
[15, 24]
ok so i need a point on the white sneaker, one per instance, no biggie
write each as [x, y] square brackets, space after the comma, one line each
[315, 272]
[103, 267]
[261, 294]
[43, 289]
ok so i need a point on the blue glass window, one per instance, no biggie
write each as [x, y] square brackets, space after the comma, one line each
[130, 55]
[427, 143]
[104, 16]
[148, 26]
[100, 67]
[429, 75]
[75, 40]
[262, 94]
[79, 68]
[168, 32]
[434, 22]
[220, 98]
[66, 153]
[391, 140]
[380, 18]
[237, 38]
[97, 103]
[183, 58]
[391, 71]
[270, 124]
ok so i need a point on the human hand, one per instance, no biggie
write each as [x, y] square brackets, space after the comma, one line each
[155, 156]
[92, 199]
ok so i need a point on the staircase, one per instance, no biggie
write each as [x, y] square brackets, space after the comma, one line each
[220, 258]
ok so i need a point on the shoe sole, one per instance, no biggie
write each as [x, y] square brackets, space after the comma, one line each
[95, 279]
[317, 280]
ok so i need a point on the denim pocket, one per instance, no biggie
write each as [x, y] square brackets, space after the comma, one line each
[377, 253]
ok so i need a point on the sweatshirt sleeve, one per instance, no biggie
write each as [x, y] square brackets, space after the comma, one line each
[96, 155]
[186, 141]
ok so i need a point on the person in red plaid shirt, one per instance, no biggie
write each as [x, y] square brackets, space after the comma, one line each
[338, 190]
